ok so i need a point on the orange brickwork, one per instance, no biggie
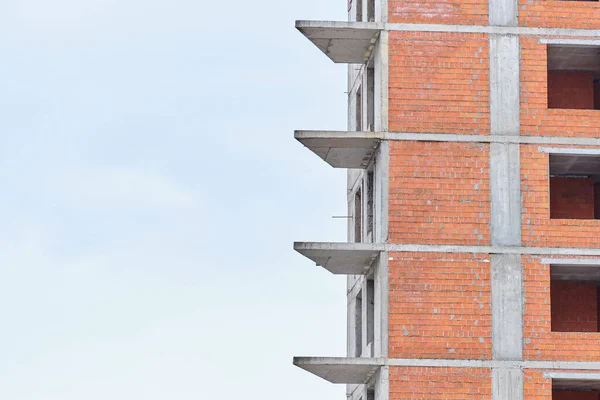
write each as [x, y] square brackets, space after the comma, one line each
[439, 193]
[470, 12]
[419, 383]
[538, 229]
[439, 82]
[439, 306]
[537, 387]
[559, 14]
[536, 118]
[540, 342]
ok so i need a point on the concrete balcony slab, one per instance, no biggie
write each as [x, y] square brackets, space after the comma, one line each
[341, 149]
[343, 42]
[341, 258]
[340, 369]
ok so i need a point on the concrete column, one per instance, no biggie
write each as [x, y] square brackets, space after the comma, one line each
[505, 186]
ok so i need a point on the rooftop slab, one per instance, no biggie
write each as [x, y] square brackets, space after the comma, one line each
[341, 258]
[341, 149]
[340, 369]
[343, 42]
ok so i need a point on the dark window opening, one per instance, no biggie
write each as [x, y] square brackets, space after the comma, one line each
[358, 327]
[574, 298]
[370, 99]
[371, 393]
[358, 216]
[359, 114]
[371, 10]
[574, 186]
[359, 10]
[570, 389]
[370, 206]
[370, 299]
[573, 77]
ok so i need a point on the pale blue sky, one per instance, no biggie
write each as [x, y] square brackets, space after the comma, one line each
[151, 192]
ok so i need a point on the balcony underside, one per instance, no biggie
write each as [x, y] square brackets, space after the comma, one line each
[343, 42]
[340, 369]
[341, 258]
[341, 149]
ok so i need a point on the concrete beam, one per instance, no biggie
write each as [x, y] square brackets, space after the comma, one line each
[341, 149]
[432, 248]
[343, 42]
[340, 258]
[340, 369]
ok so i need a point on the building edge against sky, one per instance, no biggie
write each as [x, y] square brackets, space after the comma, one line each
[473, 157]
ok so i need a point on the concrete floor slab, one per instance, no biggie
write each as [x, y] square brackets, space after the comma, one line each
[341, 258]
[340, 369]
[343, 42]
[341, 149]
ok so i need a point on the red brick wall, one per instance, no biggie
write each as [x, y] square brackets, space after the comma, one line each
[440, 383]
[439, 193]
[538, 229]
[439, 82]
[536, 118]
[439, 306]
[559, 14]
[469, 12]
[573, 395]
[572, 198]
[574, 307]
[571, 90]
[540, 343]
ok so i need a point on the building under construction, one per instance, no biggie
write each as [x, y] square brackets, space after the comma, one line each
[473, 157]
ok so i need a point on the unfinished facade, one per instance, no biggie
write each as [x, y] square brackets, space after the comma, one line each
[473, 157]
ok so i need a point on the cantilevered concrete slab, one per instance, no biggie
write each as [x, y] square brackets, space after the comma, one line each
[340, 369]
[341, 149]
[343, 42]
[341, 258]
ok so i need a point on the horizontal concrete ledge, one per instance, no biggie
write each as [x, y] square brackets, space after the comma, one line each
[572, 375]
[341, 149]
[579, 152]
[453, 363]
[343, 42]
[340, 258]
[449, 137]
[571, 42]
[582, 262]
[495, 30]
[326, 248]
[325, 29]
[340, 369]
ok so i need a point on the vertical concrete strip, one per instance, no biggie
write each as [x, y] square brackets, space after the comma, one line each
[505, 107]
[381, 306]
[382, 384]
[505, 218]
[507, 307]
[505, 185]
[507, 383]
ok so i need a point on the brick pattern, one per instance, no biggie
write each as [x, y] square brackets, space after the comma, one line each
[540, 343]
[571, 90]
[538, 229]
[574, 307]
[536, 387]
[536, 118]
[560, 14]
[439, 193]
[439, 82]
[469, 12]
[440, 306]
[571, 198]
[440, 383]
